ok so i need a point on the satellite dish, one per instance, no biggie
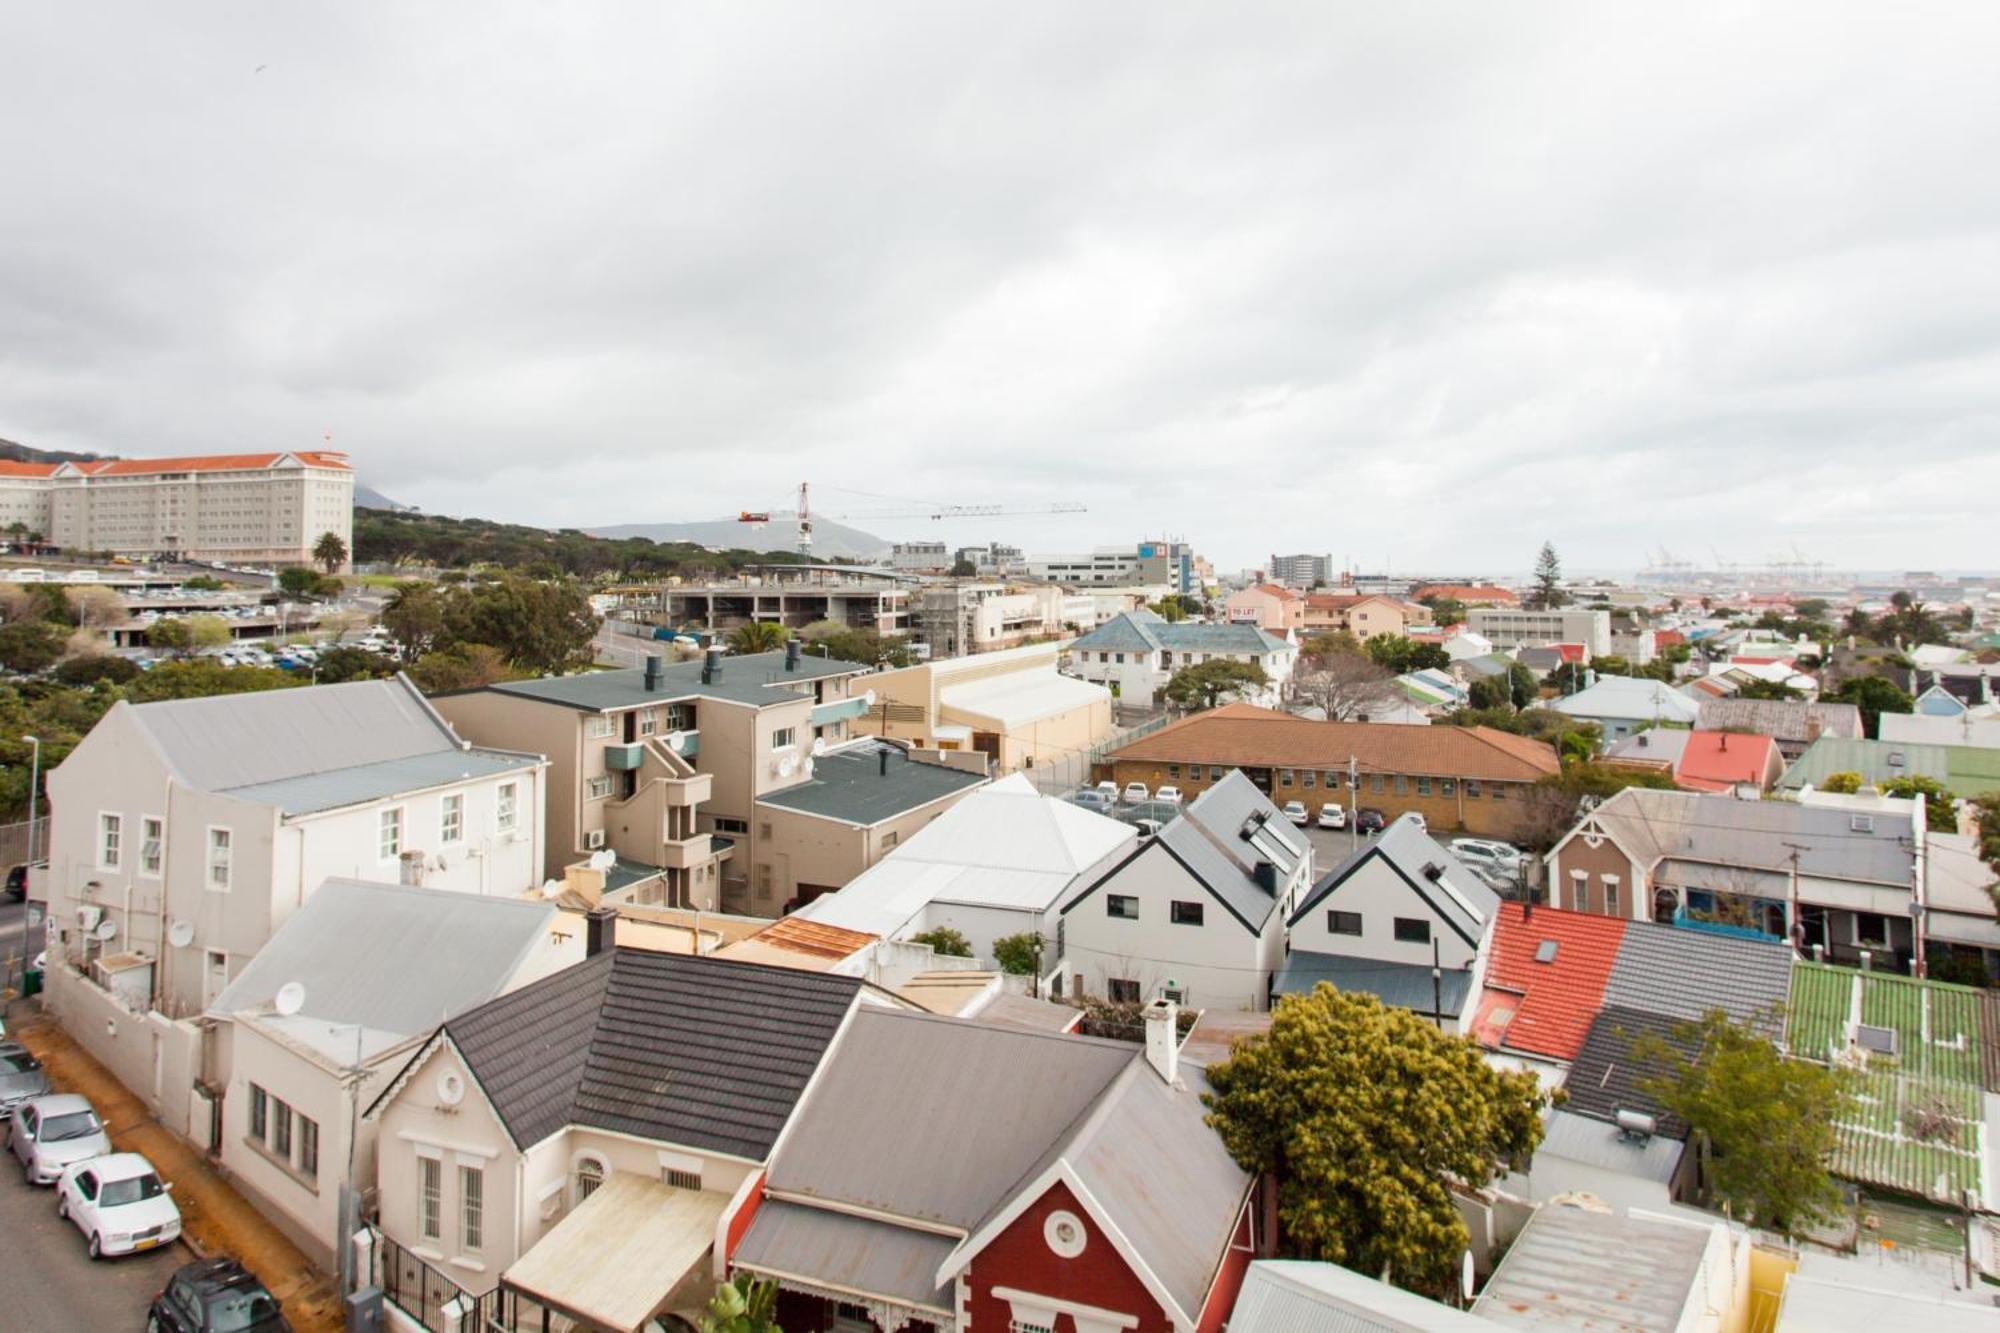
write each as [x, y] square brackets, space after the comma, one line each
[551, 888]
[819, 745]
[787, 766]
[291, 998]
[869, 698]
[106, 929]
[603, 860]
[676, 739]
[451, 1087]
[180, 934]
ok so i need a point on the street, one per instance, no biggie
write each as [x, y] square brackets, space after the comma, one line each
[51, 1285]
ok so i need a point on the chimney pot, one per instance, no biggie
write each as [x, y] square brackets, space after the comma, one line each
[655, 673]
[882, 762]
[600, 930]
[791, 654]
[1163, 1039]
[1267, 877]
[711, 666]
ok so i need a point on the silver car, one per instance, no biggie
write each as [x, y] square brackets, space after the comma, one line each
[21, 1075]
[53, 1132]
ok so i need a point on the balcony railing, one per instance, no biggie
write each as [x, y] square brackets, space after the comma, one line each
[840, 710]
[421, 1292]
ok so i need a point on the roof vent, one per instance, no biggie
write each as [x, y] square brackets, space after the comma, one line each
[1861, 823]
[1896, 759]
[1545, 952]
[1433, 871]
[1875, 1040]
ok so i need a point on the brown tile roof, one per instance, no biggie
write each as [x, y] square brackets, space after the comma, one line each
[1467, 592]
[1241, 734]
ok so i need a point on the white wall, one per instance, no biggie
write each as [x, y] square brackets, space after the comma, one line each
[1381, 895]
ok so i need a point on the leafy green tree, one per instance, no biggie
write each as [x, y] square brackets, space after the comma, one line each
[203, 583]
[30, 646]
[1844, 783]
[1548, 593]
[96, 668]
[337, 666]
[744, 1304]
[1398, 655]
[963, 569]
[1018, 954]
[1169, 609]
[1769, 1121]
[298, 581]
[1490, 692]
[1939, 816]
[182, 635]
[844, 643]
[1206, 684]
[1521, 683]
[1445, 611]
[1330, 642]
[945, 941]
[200, 677]
[1368, 1117]
[539, 625]
[758, 636]
[1873, 696]
[419, 616]
[463, 666]
[1767, 689]
[330, 551]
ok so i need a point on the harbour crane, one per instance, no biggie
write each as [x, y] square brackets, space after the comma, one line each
[934, 512]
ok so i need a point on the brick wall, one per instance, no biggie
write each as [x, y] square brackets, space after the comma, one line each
[1479, 809]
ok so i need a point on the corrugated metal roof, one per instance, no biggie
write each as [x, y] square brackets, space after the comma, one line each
[1792, 720]
[1295, 1296]
[1598, 1143]
[1629, 697]
[1400, 985]
[699, 1051]
[1815, 1305]
[1142, 631]
[1572, 1268]
[758, 679]
[1021, 1011]
[314, 792]
[1871, 759]
[391, 959]
[241, 740]
[1023, 699]
[1723, 831]
[852, 784]
[847, 1252]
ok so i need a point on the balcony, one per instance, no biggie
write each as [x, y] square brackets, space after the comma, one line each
[687, 746]
[624, 758]
[839, 710]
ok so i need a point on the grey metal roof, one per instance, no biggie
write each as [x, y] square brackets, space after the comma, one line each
[758, 679]
[1662, 744]
[1782, 719]
[232, 741]
[1721, 830]
[1400, 985]
[1628, 698]
[1297, 1296]
[1221, 836]
[699, 1051]
[853, 1253]
[1597, 1142]
[1142, 631]
[1571, 1268]
[1742, 977]
[1876, 761]
[851, 784]
[1604, 1077]
[393, 960]
[1408, 852]
[313, 792]
[1021, 1011]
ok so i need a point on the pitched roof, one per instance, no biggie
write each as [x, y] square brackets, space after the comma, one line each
[869, 782]
[700, 1051]
[131, 467]
[1967, 729]
[1221, 836]
[1784, 719]
[1577, 1268]
[1299, 1296]
[1455, 895]
[1398, 985]
[10, 468]
[392, 960]
[1143, 631]
[1239, 735]
[758, 679]
[1628, 697]
[1696, 830]
[1467, 592]
[1539, 999]
[1604, 1077]
[1717, 761]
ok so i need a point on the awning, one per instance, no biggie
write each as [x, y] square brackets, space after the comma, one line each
[619, 1255]
[840, 1252]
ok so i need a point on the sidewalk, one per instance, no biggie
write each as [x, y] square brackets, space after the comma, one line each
[215, 1219]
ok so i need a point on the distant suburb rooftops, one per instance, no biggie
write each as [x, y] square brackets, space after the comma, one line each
[756, 679]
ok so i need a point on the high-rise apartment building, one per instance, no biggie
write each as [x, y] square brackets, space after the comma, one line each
[262, 509]
[1301, 571]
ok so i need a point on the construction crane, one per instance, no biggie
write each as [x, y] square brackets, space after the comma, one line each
[934, 512]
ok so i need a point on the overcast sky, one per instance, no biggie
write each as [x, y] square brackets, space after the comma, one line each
[1412, 284]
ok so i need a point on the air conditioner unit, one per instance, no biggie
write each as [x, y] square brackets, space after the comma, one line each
[594, 839]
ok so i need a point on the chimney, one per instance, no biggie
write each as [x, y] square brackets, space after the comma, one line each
[1527, 904]
[655, 673]
[882, 762]
[711, 666]
[1267, 877]
[1163, 1039]
[1725, 742]
[600, 930]
[791, 654]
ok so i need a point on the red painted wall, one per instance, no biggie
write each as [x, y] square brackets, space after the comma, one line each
[1020, 1258]
[739, 1224]
[1229, 1278]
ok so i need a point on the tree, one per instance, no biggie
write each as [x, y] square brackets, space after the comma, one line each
[1490, 692]
[330, 551]
[298, 581]
[463, 666]
[945, 941]
[31, 646]
[1550, 807]
[1874, 696]
[1547, 594]
[200, 677]
[1445, 611]
[1018, 954]
[1345, 686]
[1169, 609]
[758, 636]
[1939, 815]
[1766, 689]
[96, 668]
[1331, 641]
[1844, 783]
[418, 615]
[1398, 654]
[1769, 1121]
[743, 1304]
[1205, 684]
[1368, 1116]
[336, 666]
[541, 626]
[96, 608]
[844, 643]
[1986, 810]
[963, 569]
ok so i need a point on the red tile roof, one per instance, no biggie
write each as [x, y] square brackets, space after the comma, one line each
[129, 467]
[1568, 652]
[1717, 760]
[1466, 592]
[9, 468]
[1545, 1008]
[1667, 638]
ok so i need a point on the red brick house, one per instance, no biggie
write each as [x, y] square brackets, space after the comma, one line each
[951, 1175]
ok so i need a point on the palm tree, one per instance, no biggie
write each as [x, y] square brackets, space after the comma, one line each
[330, 551]
[757, 636]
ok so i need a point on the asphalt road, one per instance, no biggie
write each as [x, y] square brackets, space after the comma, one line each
[48, 1283]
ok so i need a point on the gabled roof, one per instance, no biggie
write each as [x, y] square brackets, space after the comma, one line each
[698, 1051]
[1718, 760]
[1299, 1296]
[1580, 1269]
[10, 468]
[757, 679]
[1694, 829]
[1143, 631]
[133, 467]
[1242, 735]
[392, 960]
[1629, 697]
[1455, 896]
[1967, 729]
[1605, 1076]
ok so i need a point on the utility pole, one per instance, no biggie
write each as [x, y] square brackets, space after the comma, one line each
[1353, 803]
[1437, 986]
[1794, 930]
[34, 796]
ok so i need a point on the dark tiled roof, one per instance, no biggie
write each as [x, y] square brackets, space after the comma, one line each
[697, 1051]
[1604, 1078]
[851, 785]
[1682, 974]
[758, 679]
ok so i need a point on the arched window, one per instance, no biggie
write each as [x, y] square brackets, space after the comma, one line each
[589, 1175]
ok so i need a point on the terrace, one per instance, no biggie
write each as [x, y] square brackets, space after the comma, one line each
[1916, 1124]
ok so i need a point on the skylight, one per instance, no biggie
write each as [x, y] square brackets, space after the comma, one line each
[1545, 952]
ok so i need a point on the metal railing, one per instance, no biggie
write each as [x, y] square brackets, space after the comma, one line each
[420, 1291]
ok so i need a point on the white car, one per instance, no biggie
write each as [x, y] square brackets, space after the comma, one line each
[1296, 812]
[1168, 793]
[1136, 793]
[1107, 789]
[1332, 816]
[118, 1202]
[50, 1134]
[1479, 853]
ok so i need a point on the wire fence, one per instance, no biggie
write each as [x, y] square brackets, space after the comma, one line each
[14, 841]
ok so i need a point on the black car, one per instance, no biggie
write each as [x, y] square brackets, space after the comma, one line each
[1369, 821]
[17, 883]
[215, 1296]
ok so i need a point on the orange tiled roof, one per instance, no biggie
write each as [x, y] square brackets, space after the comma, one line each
[9, 468]
[813, 938]
[1466, 592]
[1242, 734]
[1717, 760]
[1545, 1007]
[130, 467]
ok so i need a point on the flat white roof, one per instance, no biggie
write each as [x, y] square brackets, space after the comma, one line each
[1024, 698]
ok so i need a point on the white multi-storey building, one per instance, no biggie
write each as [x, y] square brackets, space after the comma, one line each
[267, 509]
[1509, 628]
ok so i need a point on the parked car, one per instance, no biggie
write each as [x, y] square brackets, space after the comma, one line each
[1137, 793]
[51, 1132]
[1368, 820]
[1092, 799]
[1148, 828]
[17, 883]
[1169, 793]
[21, 1075]
[215, 1296]
[1108, 789]
[1489, 860]
[1296, 812]
[119, 1203]
[1332, 816]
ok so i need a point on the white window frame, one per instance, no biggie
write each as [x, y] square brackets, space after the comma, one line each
[599, 726]
[152, 846]
[430, 1196]
[451, 818]
[110, 840]
[649, 722]
[389, 817]
[577, 1194]
[471, 1205]
[784, 738]
[212, 863]
[1609, 885]
[597, 788]
[1579, 888]
[507, 807]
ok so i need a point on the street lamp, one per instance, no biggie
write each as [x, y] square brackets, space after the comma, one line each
[34, 792]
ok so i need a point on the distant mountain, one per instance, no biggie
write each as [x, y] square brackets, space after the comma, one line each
[367, 497]
[830, 540]
[21, 453]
